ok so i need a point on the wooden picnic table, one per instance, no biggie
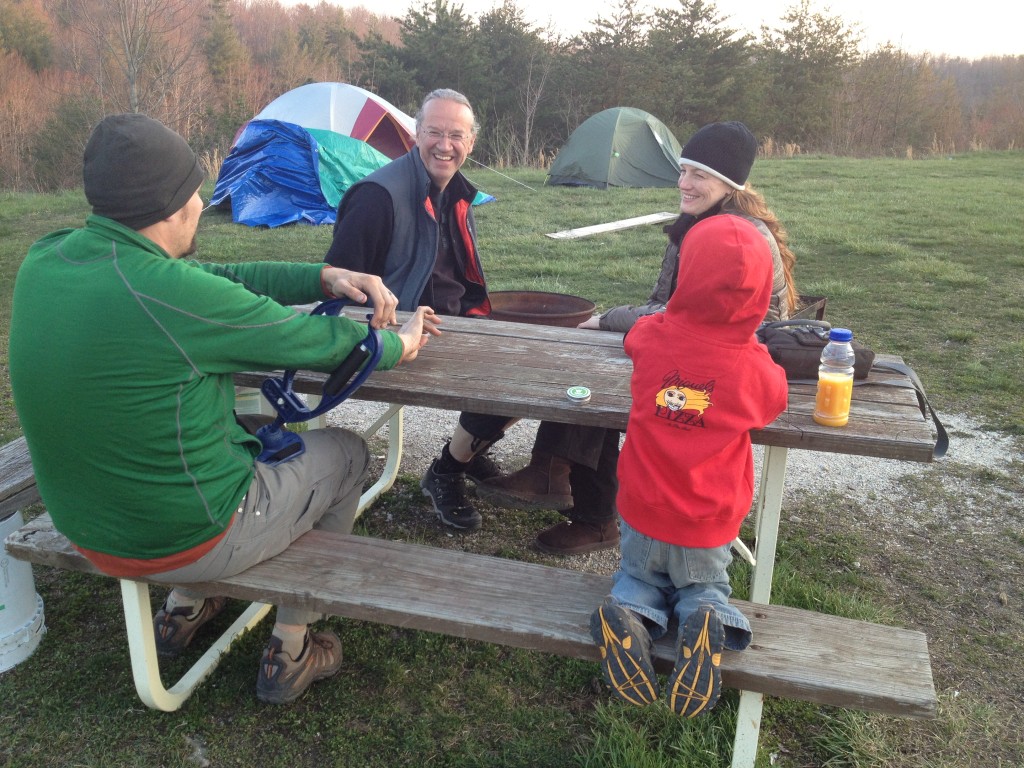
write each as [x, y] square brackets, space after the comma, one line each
[519, 370]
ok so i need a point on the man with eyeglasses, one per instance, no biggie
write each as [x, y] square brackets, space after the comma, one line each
[411, 222]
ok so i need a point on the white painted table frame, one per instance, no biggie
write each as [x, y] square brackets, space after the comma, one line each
[768, 512]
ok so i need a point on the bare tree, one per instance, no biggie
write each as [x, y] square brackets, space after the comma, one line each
[895, 103]
[142, 55]
[531, 90]
[20, 119]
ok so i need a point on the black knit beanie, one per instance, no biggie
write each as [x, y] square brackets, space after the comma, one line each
[138, 171]
[725, 150]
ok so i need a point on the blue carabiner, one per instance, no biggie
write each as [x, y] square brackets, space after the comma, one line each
[279, 444]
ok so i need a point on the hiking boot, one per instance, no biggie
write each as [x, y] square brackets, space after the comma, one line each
[625, 646]
[448, 494]
[541, 484]
[174, 630]
[482, 468]
[282, 679]
[696, 681]
[573, 537]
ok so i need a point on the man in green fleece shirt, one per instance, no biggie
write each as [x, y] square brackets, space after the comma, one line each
[121, 358]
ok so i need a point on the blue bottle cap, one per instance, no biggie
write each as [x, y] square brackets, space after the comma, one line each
[840, 334]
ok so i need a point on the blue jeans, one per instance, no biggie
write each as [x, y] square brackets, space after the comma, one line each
[656, 580]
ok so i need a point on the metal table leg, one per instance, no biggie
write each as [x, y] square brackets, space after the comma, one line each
[393, 417]
[138, 620]
[768, 511]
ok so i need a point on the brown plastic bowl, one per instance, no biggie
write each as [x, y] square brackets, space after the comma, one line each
[541, 308]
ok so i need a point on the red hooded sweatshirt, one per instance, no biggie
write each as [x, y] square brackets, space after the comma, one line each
[700, 383]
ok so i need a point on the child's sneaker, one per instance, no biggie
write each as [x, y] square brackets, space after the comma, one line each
[696, 681]
[283, 679]
[625, 653]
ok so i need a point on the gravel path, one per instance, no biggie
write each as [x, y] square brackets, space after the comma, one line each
[426, 429]
[877, 483]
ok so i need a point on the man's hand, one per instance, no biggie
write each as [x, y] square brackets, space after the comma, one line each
[416, 331]
[592, 323]
[361, 287]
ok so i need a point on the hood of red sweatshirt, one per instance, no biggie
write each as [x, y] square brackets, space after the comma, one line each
[724, 283]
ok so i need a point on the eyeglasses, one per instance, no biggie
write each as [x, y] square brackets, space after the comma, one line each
[456, 138]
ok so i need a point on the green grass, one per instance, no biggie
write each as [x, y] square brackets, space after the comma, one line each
[919, 258]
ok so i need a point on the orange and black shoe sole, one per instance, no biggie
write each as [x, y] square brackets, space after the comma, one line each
[696, 682]
[625, 657]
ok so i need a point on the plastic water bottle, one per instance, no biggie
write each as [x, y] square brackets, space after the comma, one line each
[835, 380]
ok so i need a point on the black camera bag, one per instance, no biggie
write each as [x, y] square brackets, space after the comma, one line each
[796, 346]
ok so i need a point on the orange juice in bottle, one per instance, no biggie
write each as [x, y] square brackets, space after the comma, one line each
[835, 380]
[832, 403]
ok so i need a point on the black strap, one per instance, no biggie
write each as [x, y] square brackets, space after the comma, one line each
[942, 439]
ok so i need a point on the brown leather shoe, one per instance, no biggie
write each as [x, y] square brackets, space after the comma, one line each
[575, 538]
[541, 484]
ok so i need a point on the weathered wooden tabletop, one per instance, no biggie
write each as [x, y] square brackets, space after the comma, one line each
[519, 370]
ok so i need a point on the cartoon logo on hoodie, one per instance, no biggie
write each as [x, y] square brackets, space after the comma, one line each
[683, 404]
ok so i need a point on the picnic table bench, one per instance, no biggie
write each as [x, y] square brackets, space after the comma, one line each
[511, 369]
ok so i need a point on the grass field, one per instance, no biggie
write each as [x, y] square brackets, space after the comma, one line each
[920, 258]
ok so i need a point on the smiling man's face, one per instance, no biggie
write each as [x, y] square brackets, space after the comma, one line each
[445, 139]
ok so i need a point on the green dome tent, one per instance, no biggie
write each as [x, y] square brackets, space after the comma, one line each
[619, 147]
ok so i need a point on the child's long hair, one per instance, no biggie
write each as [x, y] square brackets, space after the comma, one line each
[750, 202]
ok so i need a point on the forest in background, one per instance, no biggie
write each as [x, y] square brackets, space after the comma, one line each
[205, 67]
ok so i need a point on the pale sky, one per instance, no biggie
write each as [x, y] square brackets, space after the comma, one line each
[965, 28]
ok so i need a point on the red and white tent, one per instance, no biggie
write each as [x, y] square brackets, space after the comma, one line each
[346, 109]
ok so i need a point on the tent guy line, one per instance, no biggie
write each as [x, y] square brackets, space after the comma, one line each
[482, 165]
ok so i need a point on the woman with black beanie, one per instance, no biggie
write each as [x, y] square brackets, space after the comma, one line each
[573, 468]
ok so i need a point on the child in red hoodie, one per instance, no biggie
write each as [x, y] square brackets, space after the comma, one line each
[700, 383]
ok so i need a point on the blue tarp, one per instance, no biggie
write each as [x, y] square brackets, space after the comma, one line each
[272, 175]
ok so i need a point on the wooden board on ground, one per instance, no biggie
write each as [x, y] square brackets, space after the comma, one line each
[612, 226]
